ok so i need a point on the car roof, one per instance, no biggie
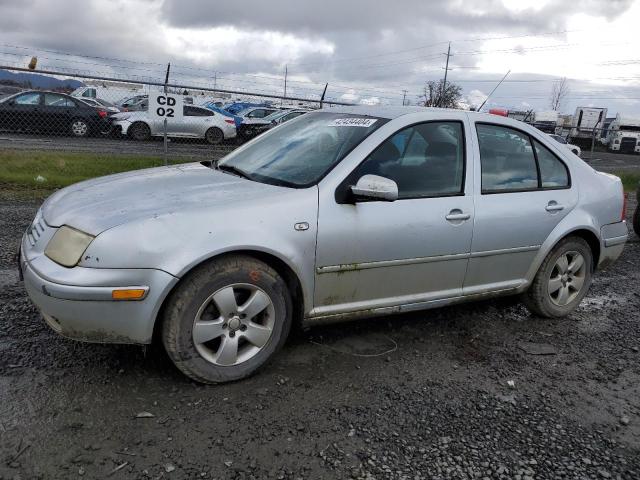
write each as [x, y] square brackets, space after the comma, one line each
[392, 112]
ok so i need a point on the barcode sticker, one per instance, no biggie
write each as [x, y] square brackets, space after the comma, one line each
[353, 122]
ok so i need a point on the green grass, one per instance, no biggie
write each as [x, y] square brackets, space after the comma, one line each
[51, 170]
[629, 180]
[46, 171]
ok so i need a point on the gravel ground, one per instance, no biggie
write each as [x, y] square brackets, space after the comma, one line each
[445, 394]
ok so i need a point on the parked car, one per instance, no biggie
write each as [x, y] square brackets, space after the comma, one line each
[573, 148]
[252, 127]
[137, 103]
[256, 112]
[197, 122]
[101, 104]
[319, 220]
[51, 112]
[237, 107]
[212, 106]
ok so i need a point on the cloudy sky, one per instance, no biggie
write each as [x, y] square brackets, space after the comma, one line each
[368, 51]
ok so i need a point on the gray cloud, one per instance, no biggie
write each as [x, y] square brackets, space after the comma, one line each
[365, 34]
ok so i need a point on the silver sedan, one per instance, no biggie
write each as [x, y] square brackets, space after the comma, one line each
[337, 214]
[196, 122]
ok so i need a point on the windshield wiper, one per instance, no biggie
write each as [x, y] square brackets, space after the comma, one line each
[234, 170]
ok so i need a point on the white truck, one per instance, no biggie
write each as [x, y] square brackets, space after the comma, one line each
[587, 124]
[546, 121]
[624, 134]
[110, 91]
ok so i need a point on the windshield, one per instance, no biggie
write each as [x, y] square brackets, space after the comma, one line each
[301, 151]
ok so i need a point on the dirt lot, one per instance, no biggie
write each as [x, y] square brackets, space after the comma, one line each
[448, 393]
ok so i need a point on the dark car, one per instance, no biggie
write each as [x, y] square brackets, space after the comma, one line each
[252, 127]
[51, 112]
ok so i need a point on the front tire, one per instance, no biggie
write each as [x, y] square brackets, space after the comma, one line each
[562, 280]
[226, 319]
[140, 131]
[636, 221]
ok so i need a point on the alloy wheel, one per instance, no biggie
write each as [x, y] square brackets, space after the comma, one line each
[79, 128]
[567, 278]
[233, 324]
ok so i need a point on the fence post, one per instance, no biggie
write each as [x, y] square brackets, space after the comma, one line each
[166, 81]
[593, 142]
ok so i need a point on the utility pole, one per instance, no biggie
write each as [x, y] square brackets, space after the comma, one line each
[446, 70]
[404, 97]
[285, 81]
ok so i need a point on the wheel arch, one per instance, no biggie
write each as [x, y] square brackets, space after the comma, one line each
[584, 231]
[592, 240]
[283, 269]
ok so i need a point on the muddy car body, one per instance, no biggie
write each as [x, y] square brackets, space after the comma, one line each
[350, 212]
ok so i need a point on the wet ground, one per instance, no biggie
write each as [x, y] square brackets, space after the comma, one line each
[483, 390]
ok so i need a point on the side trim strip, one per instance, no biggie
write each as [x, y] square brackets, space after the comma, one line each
[349, 267]
[489, 253]
[612, 242]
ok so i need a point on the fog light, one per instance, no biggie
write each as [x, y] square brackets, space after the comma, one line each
[128, 294]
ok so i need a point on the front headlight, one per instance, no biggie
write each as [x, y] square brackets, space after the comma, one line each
[67, 246]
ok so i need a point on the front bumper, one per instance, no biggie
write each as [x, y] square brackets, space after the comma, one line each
[75, 302]
[121, 126]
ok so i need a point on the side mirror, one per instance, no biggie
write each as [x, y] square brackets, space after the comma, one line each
[374, 187]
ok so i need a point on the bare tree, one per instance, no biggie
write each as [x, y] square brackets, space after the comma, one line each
[559, 92]
[435, 94]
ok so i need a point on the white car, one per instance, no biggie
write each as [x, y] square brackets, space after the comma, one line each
[197, 122]
[574, 148]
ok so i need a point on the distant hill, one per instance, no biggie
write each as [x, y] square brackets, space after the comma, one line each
[43, 82]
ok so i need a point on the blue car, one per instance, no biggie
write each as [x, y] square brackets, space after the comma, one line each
[221, 111]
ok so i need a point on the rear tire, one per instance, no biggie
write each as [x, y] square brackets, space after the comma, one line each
[79, 128]
[214, 136]
[636, 220]
[562, 280]
[140, 131]
[226, 319]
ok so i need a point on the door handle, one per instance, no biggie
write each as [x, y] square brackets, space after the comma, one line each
[554, 207]
[457, 215]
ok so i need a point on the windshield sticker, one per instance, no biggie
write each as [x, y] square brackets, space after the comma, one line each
[353, 122]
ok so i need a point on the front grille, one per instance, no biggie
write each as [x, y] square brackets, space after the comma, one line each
[628, 144]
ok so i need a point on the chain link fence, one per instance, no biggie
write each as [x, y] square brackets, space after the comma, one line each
[157, 119]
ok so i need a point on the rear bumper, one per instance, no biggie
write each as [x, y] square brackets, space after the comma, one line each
[84, 310]
[614, 236]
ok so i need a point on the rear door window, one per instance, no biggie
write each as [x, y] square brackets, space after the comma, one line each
[553, 173]
[507, 160]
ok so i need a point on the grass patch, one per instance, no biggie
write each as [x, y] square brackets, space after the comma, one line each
[51, 170]
[630, 180]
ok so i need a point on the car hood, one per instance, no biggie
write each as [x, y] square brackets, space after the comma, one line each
[96, 205]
